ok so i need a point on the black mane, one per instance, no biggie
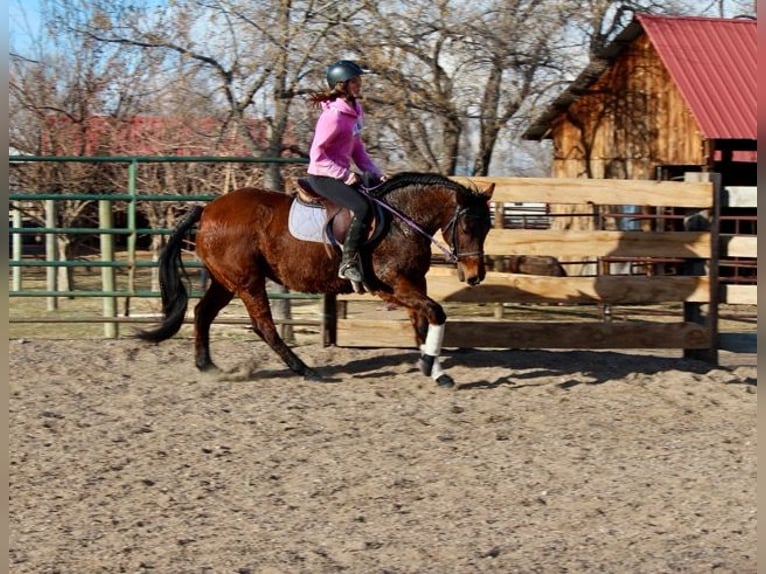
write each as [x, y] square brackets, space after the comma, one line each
[406, 178]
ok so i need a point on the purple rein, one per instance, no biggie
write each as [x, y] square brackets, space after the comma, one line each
[452, 256]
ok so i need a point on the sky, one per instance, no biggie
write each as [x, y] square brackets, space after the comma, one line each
[23, 21]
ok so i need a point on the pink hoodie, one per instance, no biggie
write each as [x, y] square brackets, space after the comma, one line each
[338, 142]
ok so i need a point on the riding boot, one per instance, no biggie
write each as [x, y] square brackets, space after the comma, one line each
[350, 265]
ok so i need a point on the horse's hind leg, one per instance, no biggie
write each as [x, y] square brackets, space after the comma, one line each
[214, 299]
[257, 304]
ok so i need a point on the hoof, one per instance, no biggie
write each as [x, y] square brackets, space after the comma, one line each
[208, 368]
[311, 375]
[445, 381]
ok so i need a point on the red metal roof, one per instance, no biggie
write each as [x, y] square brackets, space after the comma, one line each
[714, 63]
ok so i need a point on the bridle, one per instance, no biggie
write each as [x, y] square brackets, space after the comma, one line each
[452, 256]
[456, 255]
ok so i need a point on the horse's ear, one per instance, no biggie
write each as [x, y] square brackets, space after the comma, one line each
[488, 191]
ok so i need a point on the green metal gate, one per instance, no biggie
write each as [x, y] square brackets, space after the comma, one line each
[107, 259]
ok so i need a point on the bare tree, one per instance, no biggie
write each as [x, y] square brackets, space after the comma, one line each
[521, 48]
[450, 76]
[58, 83]
[732, 8]
[251, 58]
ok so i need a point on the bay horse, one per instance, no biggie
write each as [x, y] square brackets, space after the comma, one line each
[243, 239]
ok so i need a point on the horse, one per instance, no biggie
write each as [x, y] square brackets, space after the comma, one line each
[243, 240]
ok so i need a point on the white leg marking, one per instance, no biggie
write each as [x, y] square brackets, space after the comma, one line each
[434, 340]
[433, 347]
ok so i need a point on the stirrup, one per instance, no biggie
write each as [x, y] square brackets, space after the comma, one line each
[351, 272]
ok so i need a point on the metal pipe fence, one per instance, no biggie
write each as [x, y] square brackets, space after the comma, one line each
[47, 255]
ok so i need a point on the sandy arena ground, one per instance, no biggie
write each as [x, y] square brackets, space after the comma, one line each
[124, 459]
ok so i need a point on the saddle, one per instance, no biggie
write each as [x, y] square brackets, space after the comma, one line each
[339, 217]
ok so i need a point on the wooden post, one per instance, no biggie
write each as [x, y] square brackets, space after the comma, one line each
[499, 262]
[329, 306]
[693, 311]
[131, 243]
[107, 273]
[18, 249]
[51, 279]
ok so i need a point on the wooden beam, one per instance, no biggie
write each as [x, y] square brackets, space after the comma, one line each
[740, 196]
[509, 288]
[597, 191]
[542, 335]
[739, 294]
[566, 243]
[497, 287]
[739, 246]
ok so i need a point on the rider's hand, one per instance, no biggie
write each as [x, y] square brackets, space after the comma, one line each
[352, 179]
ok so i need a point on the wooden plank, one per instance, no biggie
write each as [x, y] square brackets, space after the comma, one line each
[375, 333]
[567, 243]
[510, 288]
[597, 191]
[739, 246]
[542, 335]
[444, 286]
[740, 196]
[739, 294]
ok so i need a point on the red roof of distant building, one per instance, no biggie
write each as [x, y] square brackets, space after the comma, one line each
[714, 62]
[151, 135]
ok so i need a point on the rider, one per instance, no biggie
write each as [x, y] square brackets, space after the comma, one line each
[337, 143]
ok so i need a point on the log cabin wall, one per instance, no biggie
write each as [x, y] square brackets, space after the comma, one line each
[629, 121]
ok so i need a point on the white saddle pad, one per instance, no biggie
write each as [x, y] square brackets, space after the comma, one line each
[307, 222]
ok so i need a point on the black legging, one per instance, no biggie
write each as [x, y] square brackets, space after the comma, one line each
[338, 192]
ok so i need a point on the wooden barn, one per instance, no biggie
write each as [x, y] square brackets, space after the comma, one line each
[670, 96]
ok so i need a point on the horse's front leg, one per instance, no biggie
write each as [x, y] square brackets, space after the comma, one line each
[428, 321]
[419, 322]
[431, 348]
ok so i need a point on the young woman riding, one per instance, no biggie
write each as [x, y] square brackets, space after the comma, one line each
[337, 144]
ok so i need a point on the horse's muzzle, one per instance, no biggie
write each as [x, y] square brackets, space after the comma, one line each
[471, 271]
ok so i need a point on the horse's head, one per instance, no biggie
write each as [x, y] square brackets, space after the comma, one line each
[466, 231]
[427, 202]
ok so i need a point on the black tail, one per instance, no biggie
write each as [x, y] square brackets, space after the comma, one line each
[175, 298]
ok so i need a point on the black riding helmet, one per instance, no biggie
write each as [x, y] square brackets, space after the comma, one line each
[342, 71]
